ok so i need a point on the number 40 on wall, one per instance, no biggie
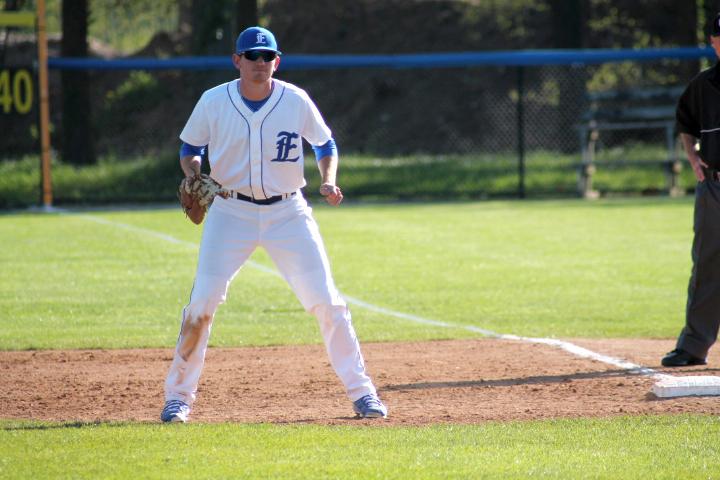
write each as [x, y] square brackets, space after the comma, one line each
[16, 91]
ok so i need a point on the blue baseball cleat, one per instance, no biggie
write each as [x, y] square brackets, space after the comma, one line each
[175, 411]
[369, 406]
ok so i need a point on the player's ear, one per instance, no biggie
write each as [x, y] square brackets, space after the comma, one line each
[277, 63]
[236, 60]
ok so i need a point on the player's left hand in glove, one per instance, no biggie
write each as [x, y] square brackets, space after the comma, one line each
[197, 194]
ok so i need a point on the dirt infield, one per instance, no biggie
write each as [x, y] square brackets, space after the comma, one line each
[468, 381]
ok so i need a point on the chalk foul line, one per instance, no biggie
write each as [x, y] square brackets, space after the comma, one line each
[560, 344]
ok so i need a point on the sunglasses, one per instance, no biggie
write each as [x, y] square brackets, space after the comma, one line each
[266, 55]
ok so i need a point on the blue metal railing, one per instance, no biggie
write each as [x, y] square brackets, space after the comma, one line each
[415, 60]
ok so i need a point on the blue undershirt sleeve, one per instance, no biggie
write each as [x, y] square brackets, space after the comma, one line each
[328, 149]
[191, 150]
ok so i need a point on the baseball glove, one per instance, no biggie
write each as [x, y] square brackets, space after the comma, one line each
[197, 194]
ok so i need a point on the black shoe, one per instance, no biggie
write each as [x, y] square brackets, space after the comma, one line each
[681, 358]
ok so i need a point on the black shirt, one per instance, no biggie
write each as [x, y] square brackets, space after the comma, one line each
[698, 114]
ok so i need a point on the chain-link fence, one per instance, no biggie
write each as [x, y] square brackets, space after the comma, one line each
[471, 132]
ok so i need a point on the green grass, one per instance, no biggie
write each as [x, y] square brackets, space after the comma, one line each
[565, 268]
[117, 279]
[622, 448]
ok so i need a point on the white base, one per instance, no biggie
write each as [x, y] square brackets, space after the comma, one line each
[685, 386]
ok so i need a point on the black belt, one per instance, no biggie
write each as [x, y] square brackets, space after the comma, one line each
[263, 201]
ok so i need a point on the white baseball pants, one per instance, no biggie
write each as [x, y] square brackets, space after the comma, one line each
[233, 230]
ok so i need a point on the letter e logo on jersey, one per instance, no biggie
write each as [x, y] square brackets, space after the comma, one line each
[284, 145]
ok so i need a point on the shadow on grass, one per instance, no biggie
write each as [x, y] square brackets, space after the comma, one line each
[30, 425]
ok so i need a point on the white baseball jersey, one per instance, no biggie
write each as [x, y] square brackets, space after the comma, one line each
[259, 154]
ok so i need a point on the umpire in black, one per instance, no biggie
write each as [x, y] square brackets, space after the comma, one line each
[698, 118]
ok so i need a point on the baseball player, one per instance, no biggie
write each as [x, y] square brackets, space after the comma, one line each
[698, 118]
[253, 129]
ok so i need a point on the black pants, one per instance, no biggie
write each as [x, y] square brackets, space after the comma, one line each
[703, 303]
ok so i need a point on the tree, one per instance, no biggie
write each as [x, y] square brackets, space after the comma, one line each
[8, 6]
[707, 11]
[77, 137]
[246, 15]
[211, 27]
[567, 21]
[567, 24]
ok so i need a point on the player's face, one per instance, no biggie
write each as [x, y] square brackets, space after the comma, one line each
[715, 42]
[258, 71]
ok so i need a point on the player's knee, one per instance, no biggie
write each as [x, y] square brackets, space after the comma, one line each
[194, 328]
[197, 321]
[331, 315]
[202, 310]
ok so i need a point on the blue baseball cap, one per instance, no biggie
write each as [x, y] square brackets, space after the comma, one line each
[256, 38]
